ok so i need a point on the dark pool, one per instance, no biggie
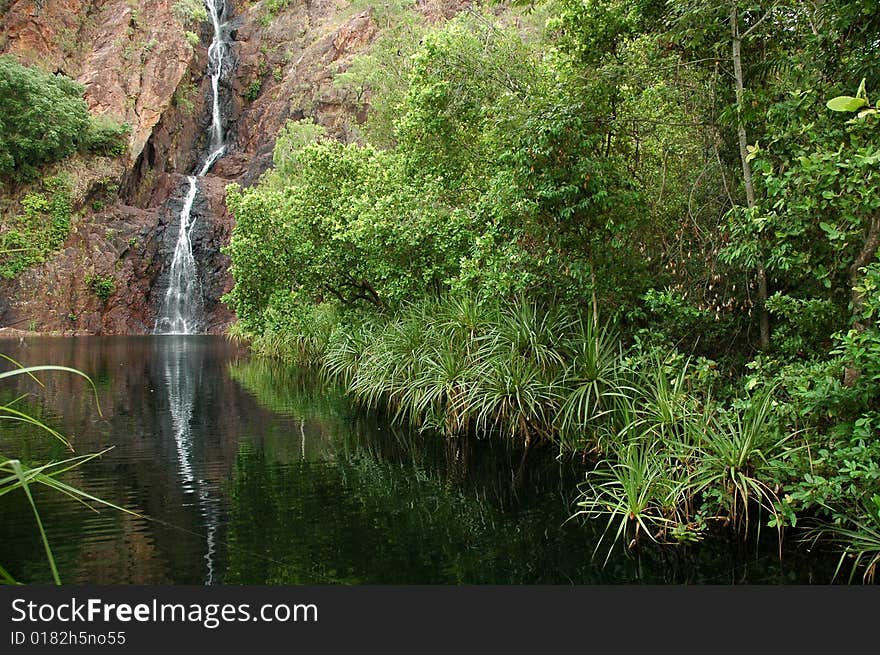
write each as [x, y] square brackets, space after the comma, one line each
[241, 471]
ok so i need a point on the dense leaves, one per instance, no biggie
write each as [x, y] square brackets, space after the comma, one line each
[702, 174]
[43, 118]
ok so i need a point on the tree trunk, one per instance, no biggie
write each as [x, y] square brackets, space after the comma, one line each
[761, 273]
[595, 298]
[865, 256]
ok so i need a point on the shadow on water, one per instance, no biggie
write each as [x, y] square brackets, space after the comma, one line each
[248, 472]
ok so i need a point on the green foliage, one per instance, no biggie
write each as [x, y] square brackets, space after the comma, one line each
[819, 176]
[510, 186]
[861, 541]
[297, 333]
[189, 12]
[106, 136]
[252, 92]
[803, 325]
[185, 96]
[41, 229]
[20, 476]
[474, 195]
[43, 118]
[633, 492]
[290, 142]
[272, 8]
[349, 226]
[380, 78]
[458, 365]
[103, 286]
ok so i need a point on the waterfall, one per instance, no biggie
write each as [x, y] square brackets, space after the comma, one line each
[182, 307]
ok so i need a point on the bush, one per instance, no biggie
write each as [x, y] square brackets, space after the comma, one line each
[189, 12]
[253, 90]
[43, 118]
[107, 137]
[102, 286]
[41, 228]
[272, 9]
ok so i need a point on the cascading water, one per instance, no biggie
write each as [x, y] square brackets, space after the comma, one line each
[182, 307]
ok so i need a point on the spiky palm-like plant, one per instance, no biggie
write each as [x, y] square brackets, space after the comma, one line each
[14, 475]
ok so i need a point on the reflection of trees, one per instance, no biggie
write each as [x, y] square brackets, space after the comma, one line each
[362, 520]
[314, 490]
[501, 472]
[349, 500]
[362, 503]
[141, 387]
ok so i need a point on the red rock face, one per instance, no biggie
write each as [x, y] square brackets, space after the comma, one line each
[294, 66]
[58, 296]
[33, 31]
[131, 56]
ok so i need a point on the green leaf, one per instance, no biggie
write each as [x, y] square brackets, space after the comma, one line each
[846, 103]
[23, 482]
[830, 230]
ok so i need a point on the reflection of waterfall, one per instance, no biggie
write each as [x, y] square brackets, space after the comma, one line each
[183, 372]
[182, 309]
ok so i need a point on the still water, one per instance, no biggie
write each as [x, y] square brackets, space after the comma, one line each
[241, 471]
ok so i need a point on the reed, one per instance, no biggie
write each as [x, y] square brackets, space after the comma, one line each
[740, 456]
[670, 461]
[15, 476]
[592, 384]
[634, 490]
[859, 541]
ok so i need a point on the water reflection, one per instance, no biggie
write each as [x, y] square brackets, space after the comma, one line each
[246, 472]
[183, 365]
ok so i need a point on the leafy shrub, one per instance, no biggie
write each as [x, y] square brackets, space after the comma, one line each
[189, 12]
[272, 8]
[185, 96]
[252, 92]
[41, 228]
[102, 286]
[107, 137]
[43, 118]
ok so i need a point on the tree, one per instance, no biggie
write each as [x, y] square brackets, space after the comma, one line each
[44, 118]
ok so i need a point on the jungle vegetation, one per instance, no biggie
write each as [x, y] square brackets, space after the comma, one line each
[644, 231]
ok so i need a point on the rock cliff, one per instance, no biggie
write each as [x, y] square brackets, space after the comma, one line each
[138, 64]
